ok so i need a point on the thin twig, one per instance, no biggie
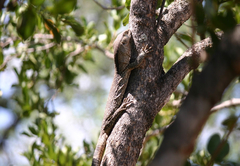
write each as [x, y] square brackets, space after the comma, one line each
[77, 51]
[106, 52]
[7, 42]
[226, 104]
[229, 103]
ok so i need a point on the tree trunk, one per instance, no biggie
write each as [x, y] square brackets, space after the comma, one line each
[149, 88]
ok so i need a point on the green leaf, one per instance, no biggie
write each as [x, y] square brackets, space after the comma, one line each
[61, 158]
[116, 24]
[126, 20]
[76, 26]
[27, 134]
[26, 23]
[33, 130]
[88, 57]
[69, 76]
[16, 42]
[127, 4]
[82, 68]
[108, 33]
[60, 59]
[28, 155]
[116, 2]
[185, 37]
[52, 28]
[45, 139]
[230, 121]
[90, 29]
[35, 146]
[1, 57]
[51, 152]
[37, 2]
[47, 63]
[63, 6]
[213, 144]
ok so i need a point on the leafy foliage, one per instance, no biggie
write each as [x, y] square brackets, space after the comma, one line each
[51, 150]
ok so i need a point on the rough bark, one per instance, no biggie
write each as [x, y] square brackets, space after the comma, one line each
[206, 91]
[149, 87]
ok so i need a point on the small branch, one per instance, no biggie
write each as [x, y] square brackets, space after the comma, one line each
[108, 8]
[226, 104]
[80, 49]
[188, 61]
[7, 42]
[43, 36]
[229, 103]
[177, 13]
[8, 58]
[106, 52]
[41, 48]
[77, 51]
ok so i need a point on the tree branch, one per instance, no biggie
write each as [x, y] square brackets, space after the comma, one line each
[206, 90]
[104, 51]
[229, 103]
[188, 61]
[173, 17]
